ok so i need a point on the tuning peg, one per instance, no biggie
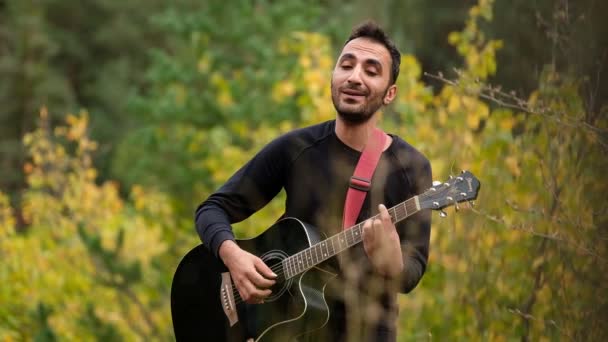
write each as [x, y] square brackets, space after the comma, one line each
[450, 177]
[463, 171]
[456, 206]
[471, 204]
[442, 213]
[436, 183]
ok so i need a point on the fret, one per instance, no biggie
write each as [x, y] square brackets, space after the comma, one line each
[333, 245]
[349, 237]
[292, 270]
[300, 263]
[309, 258]
[296, 265]
[321, 251]
[289, 267]
[356, 234]
[393, 214]
[303, 257]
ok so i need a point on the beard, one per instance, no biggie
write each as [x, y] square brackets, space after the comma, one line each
[356, 114]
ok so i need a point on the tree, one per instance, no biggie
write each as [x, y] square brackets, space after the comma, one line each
[89, 265]
[221, 79]
[69, 62]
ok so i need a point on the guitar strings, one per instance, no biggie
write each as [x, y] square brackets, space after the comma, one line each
[279, 269]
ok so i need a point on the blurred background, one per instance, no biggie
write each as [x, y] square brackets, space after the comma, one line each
[117, 118]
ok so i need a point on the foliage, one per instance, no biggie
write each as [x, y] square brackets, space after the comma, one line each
[527, 263]
[68, 55]
[82, 239]
[221, 78]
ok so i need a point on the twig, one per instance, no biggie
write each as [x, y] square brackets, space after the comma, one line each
[511, 101]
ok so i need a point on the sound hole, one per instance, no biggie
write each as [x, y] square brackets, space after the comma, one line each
[273, 259]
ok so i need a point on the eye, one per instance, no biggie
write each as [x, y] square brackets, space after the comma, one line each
[346, 66]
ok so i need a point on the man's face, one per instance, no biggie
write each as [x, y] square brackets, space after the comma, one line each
[360, 80]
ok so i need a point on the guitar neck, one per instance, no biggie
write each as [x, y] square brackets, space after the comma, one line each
[342, 241]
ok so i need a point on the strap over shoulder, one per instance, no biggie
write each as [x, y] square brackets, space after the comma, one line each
[361, 181]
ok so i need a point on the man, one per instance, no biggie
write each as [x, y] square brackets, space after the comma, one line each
[314, 166]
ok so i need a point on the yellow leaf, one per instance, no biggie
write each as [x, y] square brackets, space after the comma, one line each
[283, 90]
[453, 104]
[506, 124]
[225, 99]
[513, 165]
[305, 62]
[203, 64]
[472, 120]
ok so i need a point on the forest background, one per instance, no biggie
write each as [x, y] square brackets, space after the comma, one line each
[118, 118]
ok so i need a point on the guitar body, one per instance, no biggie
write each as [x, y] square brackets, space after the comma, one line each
[205, 305]
[295, 308]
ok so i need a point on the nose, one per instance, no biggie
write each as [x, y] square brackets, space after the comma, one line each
[355, 76]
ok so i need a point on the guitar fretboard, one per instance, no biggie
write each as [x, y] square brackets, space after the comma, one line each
[340, 242]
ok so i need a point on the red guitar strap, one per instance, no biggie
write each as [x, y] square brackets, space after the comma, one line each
[361, 181]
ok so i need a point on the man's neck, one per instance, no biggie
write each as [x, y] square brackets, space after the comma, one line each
[355, 135]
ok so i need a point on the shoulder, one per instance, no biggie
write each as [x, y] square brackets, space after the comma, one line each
[312, 133]
[415, 166]
[298, 140]
[406, 154]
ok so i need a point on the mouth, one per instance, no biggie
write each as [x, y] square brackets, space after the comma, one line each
[352, 92]
[353, 96]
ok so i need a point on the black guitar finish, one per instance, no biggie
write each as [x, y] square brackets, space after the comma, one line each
[202, 290]
[295, 306]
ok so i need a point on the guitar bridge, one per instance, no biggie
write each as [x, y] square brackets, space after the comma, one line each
[227, 299]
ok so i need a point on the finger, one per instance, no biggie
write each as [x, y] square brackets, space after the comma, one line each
[258, 281]
[368, 234]
[258, 296]
[378, 228]
[253, 295]
[385, 216]
[261, 267]
[263, 293]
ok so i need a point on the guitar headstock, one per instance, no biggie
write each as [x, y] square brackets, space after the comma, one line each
[462, 188]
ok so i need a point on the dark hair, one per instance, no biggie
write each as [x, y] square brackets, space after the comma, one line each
[371, 30]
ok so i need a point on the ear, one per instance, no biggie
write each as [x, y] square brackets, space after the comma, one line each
[390, 95]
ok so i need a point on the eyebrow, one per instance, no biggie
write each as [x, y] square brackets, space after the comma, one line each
[370, 61]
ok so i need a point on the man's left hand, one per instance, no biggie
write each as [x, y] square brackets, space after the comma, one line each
[382, 244]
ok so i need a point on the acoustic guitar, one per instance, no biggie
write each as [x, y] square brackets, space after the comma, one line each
[206, 306]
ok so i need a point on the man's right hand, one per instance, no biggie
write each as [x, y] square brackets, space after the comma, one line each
[249, 273]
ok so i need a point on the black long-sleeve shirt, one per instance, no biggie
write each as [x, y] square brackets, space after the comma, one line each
[314, 168]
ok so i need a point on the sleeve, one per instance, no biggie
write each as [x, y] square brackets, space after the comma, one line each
[245, 192]
[415, 231]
